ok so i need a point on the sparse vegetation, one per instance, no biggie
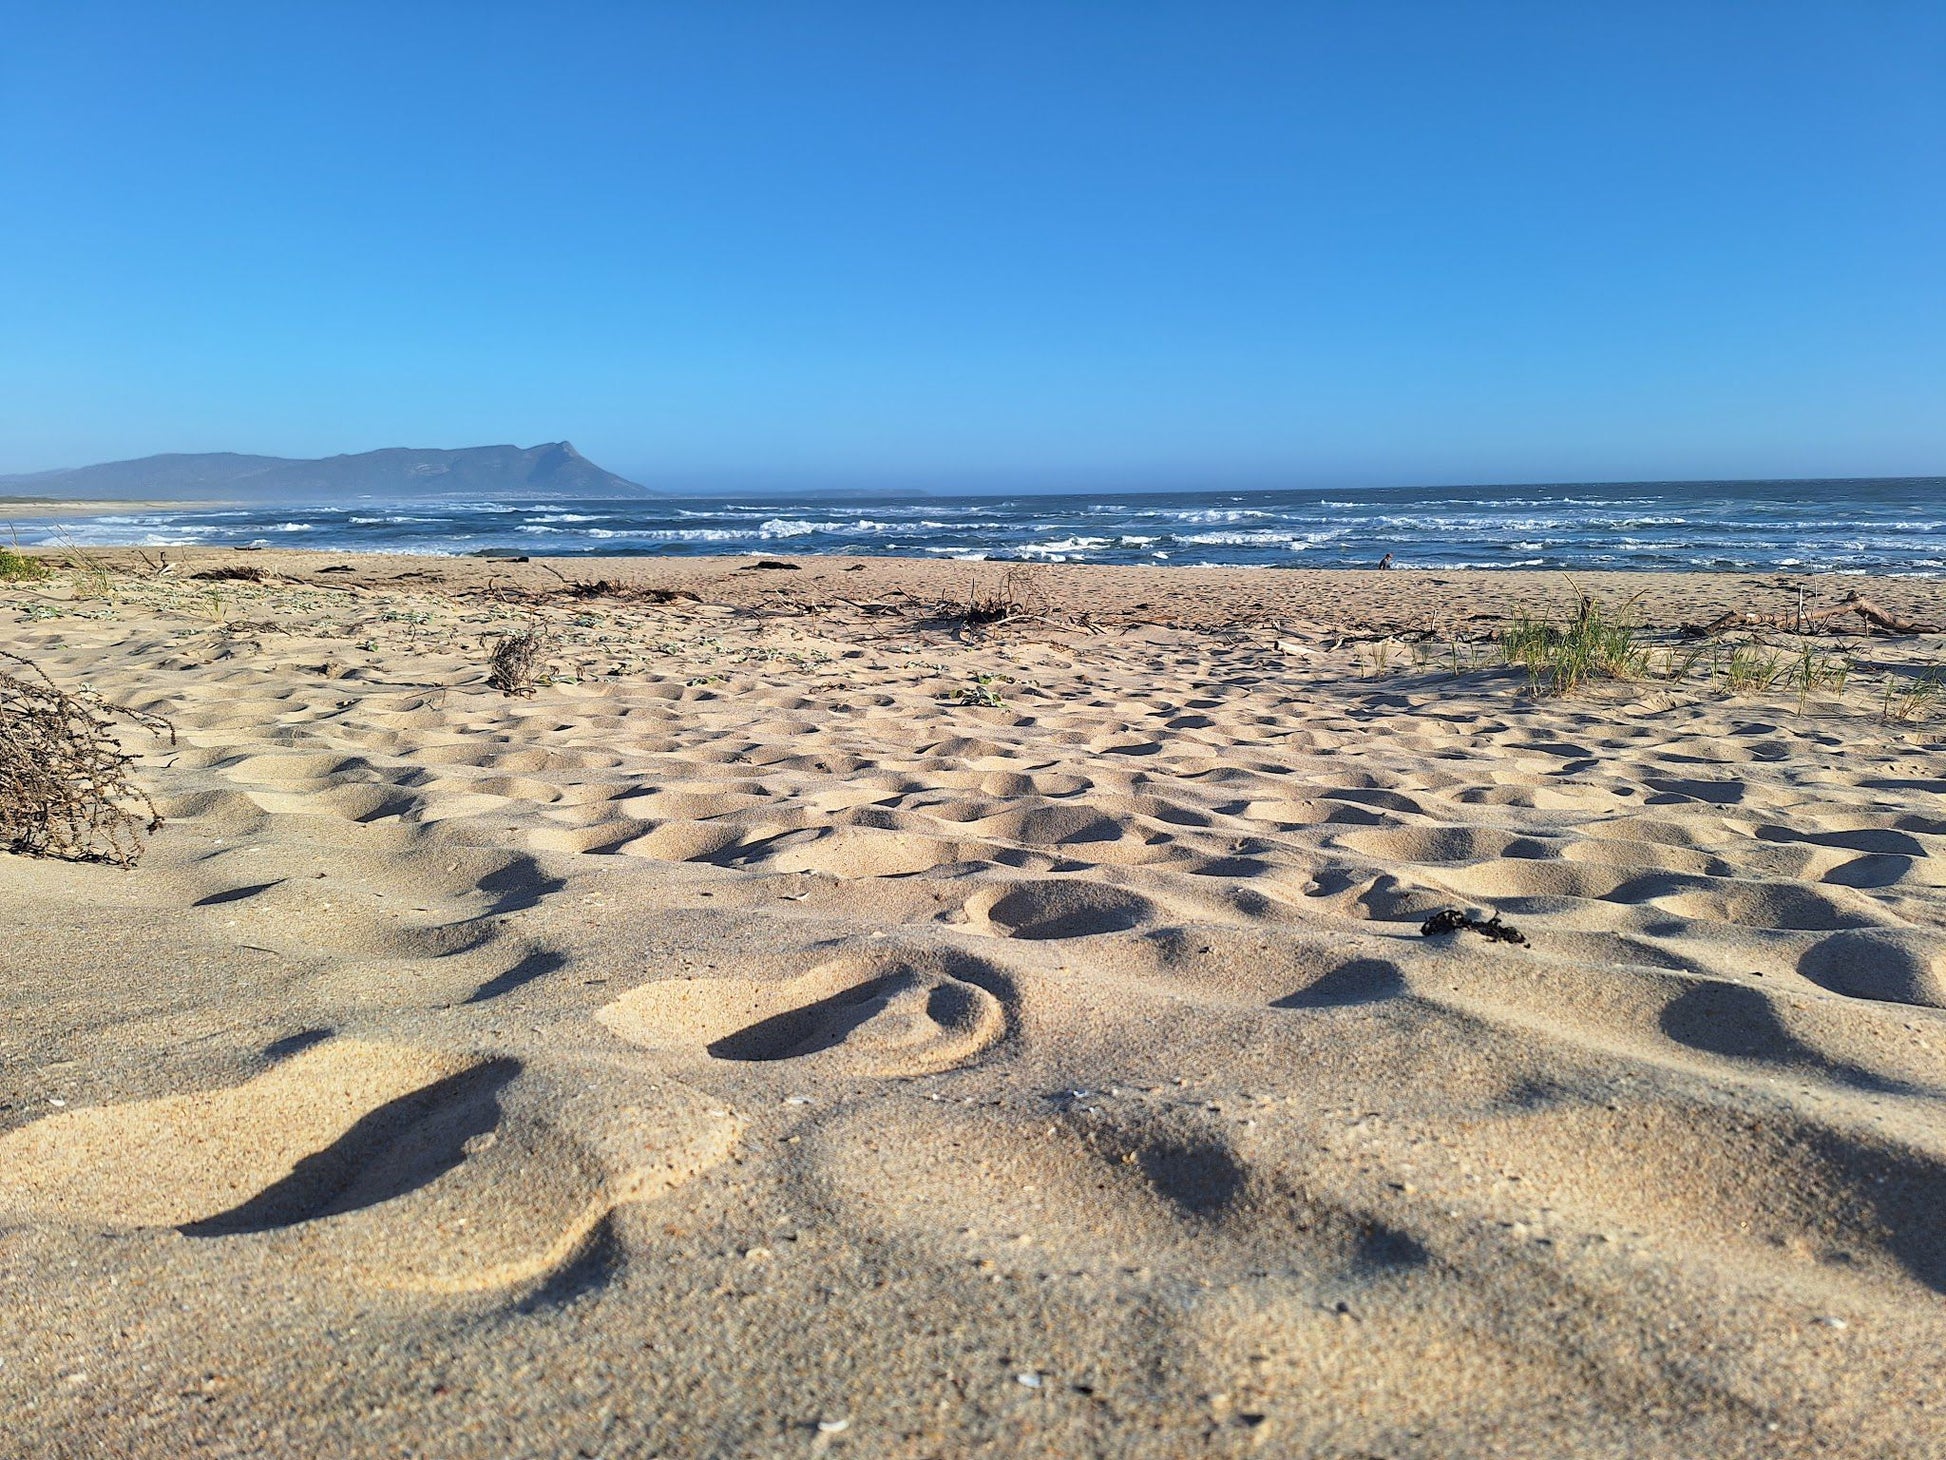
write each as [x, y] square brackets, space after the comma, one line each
[64, 784]
[1916, 697]
[1599, 645]
[517, 657]
[1817, 669]
[88, 574]
[1376, 658]
[19, 567]
[980, 689]
[1753, 668]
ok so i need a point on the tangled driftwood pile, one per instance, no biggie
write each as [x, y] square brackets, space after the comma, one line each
[1801, 620]
[64, 784]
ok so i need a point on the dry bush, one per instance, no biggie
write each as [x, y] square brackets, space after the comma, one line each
[1016, 596]
[517, 660]
[64, 785]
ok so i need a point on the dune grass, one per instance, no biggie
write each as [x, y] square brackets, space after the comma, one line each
[1599, 644]
[1917, 697]
[1595, 645]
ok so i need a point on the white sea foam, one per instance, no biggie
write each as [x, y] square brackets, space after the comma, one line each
[1196, 517]
[1260, 537]
[1062, 549]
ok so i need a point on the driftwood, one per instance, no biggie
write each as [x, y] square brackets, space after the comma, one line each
[1801, 620]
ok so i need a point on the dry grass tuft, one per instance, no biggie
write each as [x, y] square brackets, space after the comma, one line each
[64, 785]
[517, 660]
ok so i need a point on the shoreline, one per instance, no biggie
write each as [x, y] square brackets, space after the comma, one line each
[40, 508]
[1180, 595]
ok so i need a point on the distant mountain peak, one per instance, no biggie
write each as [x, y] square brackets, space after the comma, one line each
[553, 468]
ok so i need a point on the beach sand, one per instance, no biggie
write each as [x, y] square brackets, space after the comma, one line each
[810, 1024]
[69, 509]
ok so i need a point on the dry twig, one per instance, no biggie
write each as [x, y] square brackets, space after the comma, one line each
[64, 785]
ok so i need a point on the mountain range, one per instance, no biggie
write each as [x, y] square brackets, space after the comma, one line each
[555, 469]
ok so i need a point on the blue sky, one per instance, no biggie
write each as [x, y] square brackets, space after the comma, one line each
[1035, 244]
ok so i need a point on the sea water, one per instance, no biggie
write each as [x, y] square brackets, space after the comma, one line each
[1879, 526]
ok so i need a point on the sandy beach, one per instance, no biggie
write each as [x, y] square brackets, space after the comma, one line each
[814, 1023]
[66, 509]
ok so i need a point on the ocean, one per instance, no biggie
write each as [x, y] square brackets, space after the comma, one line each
[1880, 526]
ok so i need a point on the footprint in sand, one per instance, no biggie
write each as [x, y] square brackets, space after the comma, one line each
[859, 851]
[381, 1164]
[1032, 1190]
[1893, 965]
[875, 1014]
[1057, 909]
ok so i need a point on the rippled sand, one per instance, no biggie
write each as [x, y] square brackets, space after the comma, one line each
[745, 1033]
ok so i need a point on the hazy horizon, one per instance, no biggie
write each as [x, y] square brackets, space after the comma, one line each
[19, 483]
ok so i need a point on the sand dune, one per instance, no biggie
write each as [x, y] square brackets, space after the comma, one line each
[1016, 1041]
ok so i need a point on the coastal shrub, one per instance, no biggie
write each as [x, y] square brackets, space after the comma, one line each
[233, 573]
[64, 784]
[19, 568]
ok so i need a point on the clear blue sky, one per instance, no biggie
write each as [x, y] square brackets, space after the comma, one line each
[743, 243]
